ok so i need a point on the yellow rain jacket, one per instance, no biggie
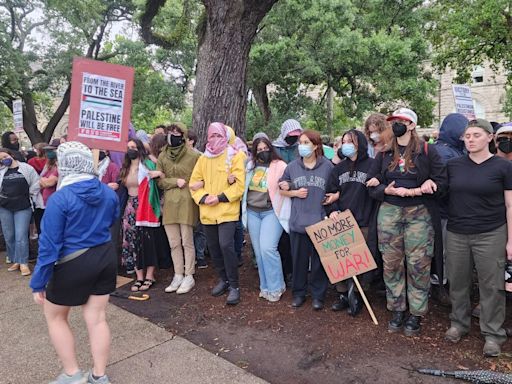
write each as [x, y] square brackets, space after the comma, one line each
[214, 172]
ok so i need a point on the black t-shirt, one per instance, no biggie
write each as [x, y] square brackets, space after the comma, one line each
[477, 201]
[406, 180]
[14, 194]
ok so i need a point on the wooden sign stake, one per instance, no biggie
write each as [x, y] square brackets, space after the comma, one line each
[366, 302]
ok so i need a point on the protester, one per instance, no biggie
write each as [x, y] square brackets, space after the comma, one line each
[449, 145]
[144, 138]
[47, 183]
[336, 146]
[479, 235]
[39, 161]
[377, 131]
[305, 181]
[160, 130]
[199, 236]
[175, 164]
[406, 179]
[157, 144]
[219, 205]
[141, 206]
[349, 178]
[10, 141]
[19, 186]
[76, 264]
[265, 213]
[108, 171]
[504, 141]
[286, 144]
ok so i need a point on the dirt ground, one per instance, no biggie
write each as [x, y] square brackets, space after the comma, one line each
[285, 345]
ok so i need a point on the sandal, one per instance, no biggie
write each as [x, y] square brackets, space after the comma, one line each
[148, 283]
[136, 287]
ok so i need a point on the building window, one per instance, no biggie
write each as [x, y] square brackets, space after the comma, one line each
[478, 74]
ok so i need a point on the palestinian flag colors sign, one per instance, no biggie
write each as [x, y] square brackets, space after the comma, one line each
[100, 107]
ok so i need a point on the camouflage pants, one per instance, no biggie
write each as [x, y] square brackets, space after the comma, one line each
[406, 232]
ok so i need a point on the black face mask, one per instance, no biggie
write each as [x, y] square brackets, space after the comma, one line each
[132, 154]
[505, 146]
[340, 153]
[291, 140]
[264, 157]
[175, 141]
[399, 129]
[102, 155]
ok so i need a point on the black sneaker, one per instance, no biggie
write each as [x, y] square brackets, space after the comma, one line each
[397, 321]
[202, 264]
[341, 303]
[412, 325]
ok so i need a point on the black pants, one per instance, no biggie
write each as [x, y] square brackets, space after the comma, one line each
[302, 247]
[284, 249]
[221, 244]
[38, 216]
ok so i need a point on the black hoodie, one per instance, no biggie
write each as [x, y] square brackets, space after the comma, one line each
[349, 178]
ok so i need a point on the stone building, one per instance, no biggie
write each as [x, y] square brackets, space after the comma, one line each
[488, 91]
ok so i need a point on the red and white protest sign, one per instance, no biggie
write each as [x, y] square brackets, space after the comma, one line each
[101, 102]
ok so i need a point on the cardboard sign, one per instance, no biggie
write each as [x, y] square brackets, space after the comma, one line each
[101, 102]
[17, 115]
[463, 100]
[341, 247]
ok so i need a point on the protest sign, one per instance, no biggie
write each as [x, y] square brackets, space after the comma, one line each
[100, 106]
[341, 247]
[463, 100]
[17, 115]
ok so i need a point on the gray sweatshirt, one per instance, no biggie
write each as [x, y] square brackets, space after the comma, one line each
[308, 211]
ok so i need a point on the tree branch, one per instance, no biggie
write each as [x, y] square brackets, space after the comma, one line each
[170, 42]
[57, 116]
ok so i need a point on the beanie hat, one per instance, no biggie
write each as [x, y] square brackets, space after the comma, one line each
[74, 158]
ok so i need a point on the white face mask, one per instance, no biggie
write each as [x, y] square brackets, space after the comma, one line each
[375, 137]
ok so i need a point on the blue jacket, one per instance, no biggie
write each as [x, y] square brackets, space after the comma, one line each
[77, 216]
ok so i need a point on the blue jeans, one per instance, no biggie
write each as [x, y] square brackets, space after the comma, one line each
[15, 227]
[265, 231]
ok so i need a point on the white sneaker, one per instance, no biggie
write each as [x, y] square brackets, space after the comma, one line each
[175, 283]
[187, 284]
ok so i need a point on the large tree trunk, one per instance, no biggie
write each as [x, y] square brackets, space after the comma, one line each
[261, 97]
[220, 93]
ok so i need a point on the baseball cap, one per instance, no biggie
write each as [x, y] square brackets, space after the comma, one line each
[405, 114]
[481, 123]
[505, 128]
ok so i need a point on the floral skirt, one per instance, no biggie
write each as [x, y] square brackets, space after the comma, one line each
[142, 246]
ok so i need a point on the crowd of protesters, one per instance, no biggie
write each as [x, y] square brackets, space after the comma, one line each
[432, 211]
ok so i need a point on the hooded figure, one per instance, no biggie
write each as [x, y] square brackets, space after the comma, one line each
[287, 143]
[449, 144]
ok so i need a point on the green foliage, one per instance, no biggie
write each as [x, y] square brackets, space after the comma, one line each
[156, 98]
[468, 32]
[465, 33]
[370, 52]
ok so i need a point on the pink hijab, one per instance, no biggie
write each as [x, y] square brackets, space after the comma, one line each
[216, 145]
